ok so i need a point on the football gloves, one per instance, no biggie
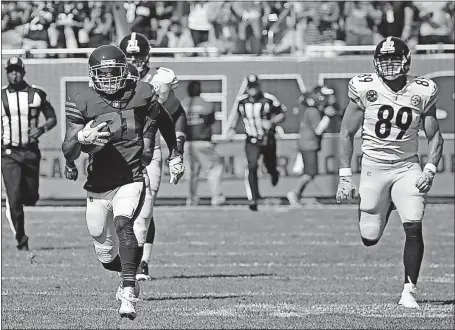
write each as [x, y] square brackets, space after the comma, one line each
[425, 180]
[346, 189]
[176, 168]
[71, 172]
[93, 135]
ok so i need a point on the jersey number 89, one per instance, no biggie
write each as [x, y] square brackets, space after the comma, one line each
[383, 126]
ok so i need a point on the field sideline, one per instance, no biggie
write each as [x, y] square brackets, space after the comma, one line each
[227, 267]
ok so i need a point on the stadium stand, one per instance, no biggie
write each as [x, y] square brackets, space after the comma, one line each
[247, 27]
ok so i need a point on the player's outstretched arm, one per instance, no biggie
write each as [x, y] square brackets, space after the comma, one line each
[167, 129]
[434, 136]
[181, 127]
[352, 120]
[149, 142]
[436, 142]
[350, 124]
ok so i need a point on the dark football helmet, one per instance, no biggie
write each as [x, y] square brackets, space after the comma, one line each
[392, 58]
[108, 69]
[253, 85]
[137, 50]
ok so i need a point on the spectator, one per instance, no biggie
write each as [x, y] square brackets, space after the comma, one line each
[177, 37]
[199, 147]
[224, 28]
[142, 14]
[436, 23]
[198, 21]
[397, 19]
[38, 30]
[70, 18]
[251, 17]
[14, 15]
[318, 23]
[98, 25]
[287, 41]
[361, 22]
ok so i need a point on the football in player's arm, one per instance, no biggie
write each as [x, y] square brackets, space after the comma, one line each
[92, 137]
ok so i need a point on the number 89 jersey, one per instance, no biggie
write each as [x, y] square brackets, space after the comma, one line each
[391, 119]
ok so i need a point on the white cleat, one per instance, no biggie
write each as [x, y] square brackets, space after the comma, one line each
[293, 199]
[408, 299]
[128, 303]
[137, 290]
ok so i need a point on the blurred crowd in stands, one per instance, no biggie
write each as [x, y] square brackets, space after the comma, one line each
[247, 27]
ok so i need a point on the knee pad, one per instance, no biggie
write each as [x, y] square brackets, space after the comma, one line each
[413, 229]
[104, 254]
[125, 230]
[370, 228]
[113, 265]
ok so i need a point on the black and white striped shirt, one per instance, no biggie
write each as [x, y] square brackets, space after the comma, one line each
[254, 110]
[20, 113]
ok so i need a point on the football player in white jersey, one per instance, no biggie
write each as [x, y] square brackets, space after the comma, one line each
[137, 50]
[390, 106]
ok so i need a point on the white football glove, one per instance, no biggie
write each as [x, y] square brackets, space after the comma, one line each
[176, 169]
[346, 189]
[92, 135]
[425, 180]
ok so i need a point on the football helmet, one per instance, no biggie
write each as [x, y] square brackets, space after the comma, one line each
[253, 85]
[108, 69]
[392, 58]
[137, 50]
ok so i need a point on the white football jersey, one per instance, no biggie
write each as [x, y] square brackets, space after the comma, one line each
[391, 119]
[163, 81]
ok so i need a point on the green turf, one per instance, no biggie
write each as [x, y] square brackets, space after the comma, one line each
[231, 268]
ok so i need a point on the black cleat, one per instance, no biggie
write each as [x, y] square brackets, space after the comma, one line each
[253, 205]
[143, 272]
[275, 178]
[23, 243]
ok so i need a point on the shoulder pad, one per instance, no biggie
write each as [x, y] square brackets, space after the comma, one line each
[164, 76]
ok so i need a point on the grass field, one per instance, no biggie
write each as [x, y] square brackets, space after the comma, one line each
[231, 268]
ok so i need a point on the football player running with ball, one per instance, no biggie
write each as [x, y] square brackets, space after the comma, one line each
[390, 105]
[115, 121]
[164, 81]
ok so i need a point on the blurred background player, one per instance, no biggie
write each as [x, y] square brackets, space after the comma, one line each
[137, 50]
[320, 106]
[199, 148]
[390, 106]
[22, 105]
[260, 113]
[115, 183]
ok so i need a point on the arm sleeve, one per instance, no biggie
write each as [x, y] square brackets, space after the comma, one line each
[73, 113]
[180, 120]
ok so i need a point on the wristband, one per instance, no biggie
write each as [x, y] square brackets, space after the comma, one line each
[346, 171]
[430, 167]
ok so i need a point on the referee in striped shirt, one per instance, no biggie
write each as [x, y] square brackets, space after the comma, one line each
[21, 107]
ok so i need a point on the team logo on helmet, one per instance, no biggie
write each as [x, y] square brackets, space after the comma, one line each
[415, 100]
[372, 95]
[388, 46]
